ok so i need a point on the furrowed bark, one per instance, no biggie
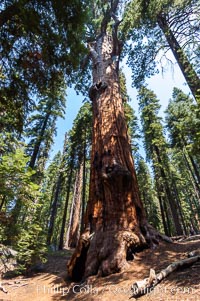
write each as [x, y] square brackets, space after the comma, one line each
[115, 221]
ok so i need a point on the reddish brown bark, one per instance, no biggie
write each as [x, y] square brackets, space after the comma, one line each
[115, 222]
[74, 223]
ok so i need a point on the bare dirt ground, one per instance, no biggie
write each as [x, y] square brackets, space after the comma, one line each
[182, 285]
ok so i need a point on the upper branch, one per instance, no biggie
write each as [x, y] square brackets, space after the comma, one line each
[117, 44]
[108, 15]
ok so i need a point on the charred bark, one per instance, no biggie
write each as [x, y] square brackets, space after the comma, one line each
[115, 221]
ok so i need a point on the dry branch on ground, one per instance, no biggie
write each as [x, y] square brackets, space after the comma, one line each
[146, 285]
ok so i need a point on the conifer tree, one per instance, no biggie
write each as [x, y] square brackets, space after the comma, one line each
[156, 150]
[79, 147]
[148, 193]
[115, 216]
[158, 26]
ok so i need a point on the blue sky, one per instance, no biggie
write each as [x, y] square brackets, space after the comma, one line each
[161, 84]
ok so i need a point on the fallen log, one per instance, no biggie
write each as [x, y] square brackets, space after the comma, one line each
[15, 286]
[146, 285]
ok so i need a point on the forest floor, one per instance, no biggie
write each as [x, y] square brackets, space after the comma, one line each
[182, 285]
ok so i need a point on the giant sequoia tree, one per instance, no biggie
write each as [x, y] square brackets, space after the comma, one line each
[115, 217]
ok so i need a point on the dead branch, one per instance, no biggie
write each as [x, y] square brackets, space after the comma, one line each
[177, 238]
[14, 285]
[194, 253]
[190, 238]
[20, 285]
[3, 289]
[146, 285]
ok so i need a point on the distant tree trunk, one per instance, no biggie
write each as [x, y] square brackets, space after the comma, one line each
[62, 232]
[195, 168]
[191, 172]
[54, 209]
[2, 202]
[74, 223]
[84, 188]
[168, 214]
[180, 209]
[38, 142]
[187, 69]
[163, 212]
[171, 199]
[115, 215]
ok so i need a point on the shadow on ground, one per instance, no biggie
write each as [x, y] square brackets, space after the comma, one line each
[183, 285]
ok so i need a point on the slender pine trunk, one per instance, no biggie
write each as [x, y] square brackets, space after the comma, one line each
[54, 208]
[187, 69]
[38, 142]
[64, 218]
[171, 199]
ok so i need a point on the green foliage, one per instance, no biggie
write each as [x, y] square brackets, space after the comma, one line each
[81, 133]
[183, 122]
[148, 43]
[41, 127]
[133, 128]
[15, 177]
[151, 123]
[148, 194]
[41, 46]
[31, 247]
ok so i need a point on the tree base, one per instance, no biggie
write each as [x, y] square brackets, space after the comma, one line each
[108, 252]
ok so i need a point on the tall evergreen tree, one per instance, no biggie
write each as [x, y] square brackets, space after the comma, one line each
[80, 143]
[156, 150]
[148, 193]
[184, 127]
[42, 125]
[163, 25]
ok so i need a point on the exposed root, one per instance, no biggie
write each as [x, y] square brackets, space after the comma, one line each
[108, 252]
[153, 237]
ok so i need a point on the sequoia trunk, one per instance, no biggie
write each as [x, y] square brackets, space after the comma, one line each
[115, 216]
